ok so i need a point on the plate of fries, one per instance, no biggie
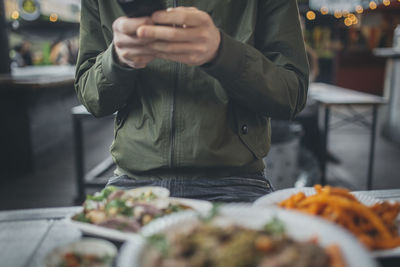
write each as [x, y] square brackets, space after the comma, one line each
[375, 223]
[278, 196]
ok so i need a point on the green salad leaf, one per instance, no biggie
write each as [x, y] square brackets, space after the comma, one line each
[160, 243]
[212, 213]
[81, 218]
[102, 195]
[275, 227]
[120, 206]
[147, 196]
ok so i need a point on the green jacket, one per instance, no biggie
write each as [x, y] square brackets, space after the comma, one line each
[181, 121]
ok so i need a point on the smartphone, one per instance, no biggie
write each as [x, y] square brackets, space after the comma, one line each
[140, 8]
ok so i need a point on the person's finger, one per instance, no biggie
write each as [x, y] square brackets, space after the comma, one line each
[168, 33]
[143, 60]
[172, 57]
[138, 62]
[190, 59]
[177, 48]
[125, 41]
[129, 25]
[188, 16]
[132, 53]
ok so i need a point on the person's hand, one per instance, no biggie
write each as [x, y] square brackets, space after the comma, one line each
[193, 41]
[130, 50]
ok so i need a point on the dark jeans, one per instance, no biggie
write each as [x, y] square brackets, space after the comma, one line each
[225, 189]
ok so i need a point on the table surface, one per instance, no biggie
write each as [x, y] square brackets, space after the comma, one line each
[27, 236]
[387, 52]
[39, 76]
[334, 95]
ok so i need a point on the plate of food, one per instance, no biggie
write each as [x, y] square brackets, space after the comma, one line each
[375, 223]
[119, 214]
[86, 252]
[242, 235]
[278, 196]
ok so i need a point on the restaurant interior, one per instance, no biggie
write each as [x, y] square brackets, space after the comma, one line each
[54, 153]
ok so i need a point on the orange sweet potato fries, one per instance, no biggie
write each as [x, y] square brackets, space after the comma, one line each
[375, 226]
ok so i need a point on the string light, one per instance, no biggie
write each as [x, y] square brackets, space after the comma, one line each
[348, 18]
[53, 17]
[348, 22]
[324, 10]
[15, 15]
[311, 15]
[338, 14]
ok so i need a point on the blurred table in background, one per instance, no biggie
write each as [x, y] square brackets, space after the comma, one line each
[391, 118]
[327, 96]
[39, 76]
[35, 103]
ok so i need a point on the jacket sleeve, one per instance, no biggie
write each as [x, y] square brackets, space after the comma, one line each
[102, 85]
[272, 77]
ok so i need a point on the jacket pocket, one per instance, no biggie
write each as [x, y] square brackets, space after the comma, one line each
[120, 119]
[254, 131]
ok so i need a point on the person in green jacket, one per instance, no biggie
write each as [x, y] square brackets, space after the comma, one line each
[194, 87]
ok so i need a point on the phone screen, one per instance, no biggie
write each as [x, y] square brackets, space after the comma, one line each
[140, 8]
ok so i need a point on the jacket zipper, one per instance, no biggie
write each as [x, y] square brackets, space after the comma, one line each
[172, 138]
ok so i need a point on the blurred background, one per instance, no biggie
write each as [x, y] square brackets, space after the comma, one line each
[53, 152]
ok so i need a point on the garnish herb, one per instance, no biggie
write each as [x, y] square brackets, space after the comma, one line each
[275, 227]
[212, 213]
[160, 243]
[102, 195]
[81, 218]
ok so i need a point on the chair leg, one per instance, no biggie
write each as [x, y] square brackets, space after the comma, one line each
[79, 159]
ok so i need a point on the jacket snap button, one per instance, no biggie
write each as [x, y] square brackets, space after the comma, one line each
[245, 129]
[118, 120]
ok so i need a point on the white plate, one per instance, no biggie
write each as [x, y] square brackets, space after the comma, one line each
[160, 192]
[90, 246]
[298, 226]
[278, 196]
[95, 230]
[200, 206]
[100, 231]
